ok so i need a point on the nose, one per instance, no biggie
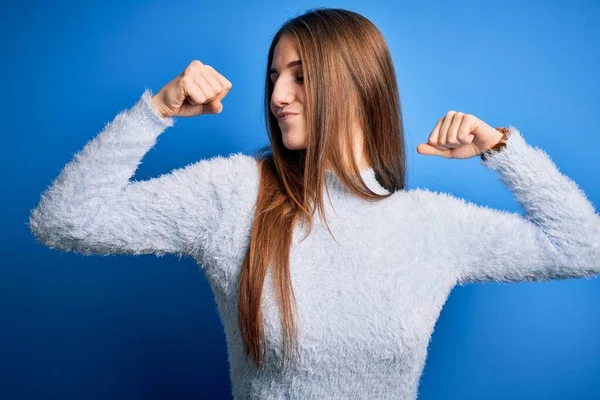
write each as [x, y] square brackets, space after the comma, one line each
[283, 94]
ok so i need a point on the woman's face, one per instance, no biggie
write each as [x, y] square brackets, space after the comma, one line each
[288, 92]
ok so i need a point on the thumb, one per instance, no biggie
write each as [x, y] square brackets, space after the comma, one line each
[214, 107]
[429, 150]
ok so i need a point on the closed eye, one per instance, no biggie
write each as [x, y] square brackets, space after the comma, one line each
[299, 79]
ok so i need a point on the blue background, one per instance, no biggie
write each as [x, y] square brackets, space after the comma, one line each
[75, 327]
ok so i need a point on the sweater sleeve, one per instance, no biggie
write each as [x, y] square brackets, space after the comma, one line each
[558, 238]
[93, 207]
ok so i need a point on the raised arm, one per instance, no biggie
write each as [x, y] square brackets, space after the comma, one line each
[92, 207]
[558, 238]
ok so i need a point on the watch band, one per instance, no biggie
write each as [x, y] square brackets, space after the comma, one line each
[498, 146]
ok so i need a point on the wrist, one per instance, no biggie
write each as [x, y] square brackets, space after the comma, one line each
[156, 104]
[500, 144]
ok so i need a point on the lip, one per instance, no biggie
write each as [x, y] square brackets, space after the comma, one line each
[286, 115]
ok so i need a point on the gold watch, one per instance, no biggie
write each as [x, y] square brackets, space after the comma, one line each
[498, 146]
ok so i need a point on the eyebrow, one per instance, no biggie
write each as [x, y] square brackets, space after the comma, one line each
[290, 64]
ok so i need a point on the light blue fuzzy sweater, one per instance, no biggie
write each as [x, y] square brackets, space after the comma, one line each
[368, 303]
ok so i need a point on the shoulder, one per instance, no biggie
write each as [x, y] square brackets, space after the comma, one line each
[435, 197]
[455, 209]
[236, 169]
[221, 182]
[425, 196]
[234, 163]
[430, 203]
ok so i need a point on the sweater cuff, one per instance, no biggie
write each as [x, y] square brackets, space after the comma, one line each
[151, 112]
[514, 145]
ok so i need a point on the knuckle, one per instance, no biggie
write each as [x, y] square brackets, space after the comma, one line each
[207, 70]
[192, 67]
[186, 80]
[188, 71]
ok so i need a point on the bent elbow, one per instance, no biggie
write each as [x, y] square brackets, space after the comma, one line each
[55, 231]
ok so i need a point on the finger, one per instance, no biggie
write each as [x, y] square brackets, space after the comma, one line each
[228, 85]
[464, 134]
[194, 92]
[444, 129]
[220, 86]
[214, 105]
[451, 140]
[206, 88]
[429, 150]
[215, 83]
[224, 81]
[433, 136]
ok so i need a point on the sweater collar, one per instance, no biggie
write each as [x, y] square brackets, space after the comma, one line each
[368, 175]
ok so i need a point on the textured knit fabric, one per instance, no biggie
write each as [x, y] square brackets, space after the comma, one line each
[368, 300]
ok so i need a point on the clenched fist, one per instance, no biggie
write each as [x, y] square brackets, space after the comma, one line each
[198, 90]
[459, 135]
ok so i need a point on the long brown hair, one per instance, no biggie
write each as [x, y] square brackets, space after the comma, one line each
[344, 56]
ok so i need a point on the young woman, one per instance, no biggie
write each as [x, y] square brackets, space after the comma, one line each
[340, 306]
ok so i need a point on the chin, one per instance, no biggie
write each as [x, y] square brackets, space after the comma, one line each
[294, 143]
